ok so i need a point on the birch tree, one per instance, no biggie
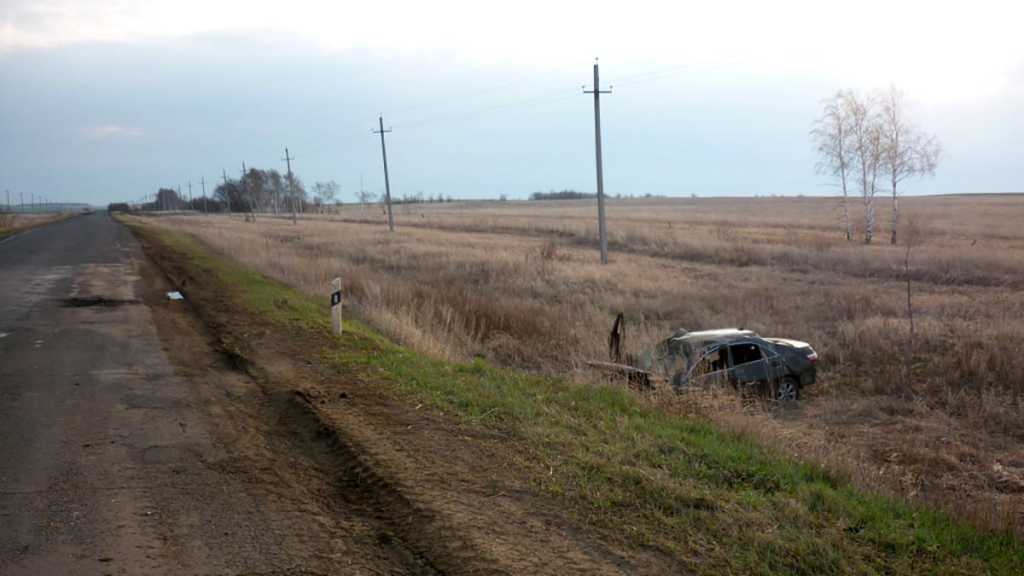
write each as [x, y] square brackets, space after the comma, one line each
[831, 134]
[907, 151]
[865, 137]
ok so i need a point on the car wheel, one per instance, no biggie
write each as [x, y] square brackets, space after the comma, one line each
[788, 390]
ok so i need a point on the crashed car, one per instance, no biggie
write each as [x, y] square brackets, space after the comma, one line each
[776, 367]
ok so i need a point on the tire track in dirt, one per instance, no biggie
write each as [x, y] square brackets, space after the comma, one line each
[438, 505]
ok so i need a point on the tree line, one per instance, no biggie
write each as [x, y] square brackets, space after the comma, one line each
[869, 145]
[257, 190]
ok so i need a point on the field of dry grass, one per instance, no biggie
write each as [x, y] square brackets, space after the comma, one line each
[13, 223]
[519, 284]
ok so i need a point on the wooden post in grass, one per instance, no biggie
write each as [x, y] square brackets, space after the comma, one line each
[336, 305]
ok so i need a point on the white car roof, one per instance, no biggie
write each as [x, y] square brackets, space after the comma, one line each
[720, 334]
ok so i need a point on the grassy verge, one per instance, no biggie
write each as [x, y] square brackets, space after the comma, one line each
[9, 225]
[718, 502]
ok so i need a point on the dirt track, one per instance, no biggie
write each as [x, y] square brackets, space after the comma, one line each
[132, 444]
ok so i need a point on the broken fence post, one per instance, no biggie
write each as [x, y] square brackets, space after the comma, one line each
[336, 305]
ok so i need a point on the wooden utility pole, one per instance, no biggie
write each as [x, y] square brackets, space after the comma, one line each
[387, 182]
[602, 229]
[291, 188]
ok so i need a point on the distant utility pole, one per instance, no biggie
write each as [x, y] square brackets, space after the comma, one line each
[8, 200]
[227, 193]
[177, 200]
[202, 181]
[189, 193]
[387, 183]
[602, 228]
[291, 188]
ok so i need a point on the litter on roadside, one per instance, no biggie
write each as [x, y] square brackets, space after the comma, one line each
[175, 295]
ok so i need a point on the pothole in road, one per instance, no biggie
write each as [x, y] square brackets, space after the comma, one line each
[91, 301]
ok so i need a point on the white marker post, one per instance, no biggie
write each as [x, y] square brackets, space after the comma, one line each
[336, 305]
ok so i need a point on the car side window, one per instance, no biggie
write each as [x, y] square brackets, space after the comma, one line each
[712, 361]
[745, 353]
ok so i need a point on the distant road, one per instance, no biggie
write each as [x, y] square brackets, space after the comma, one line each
[116, 460]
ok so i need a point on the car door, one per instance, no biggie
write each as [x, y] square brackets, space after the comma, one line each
[748, 365]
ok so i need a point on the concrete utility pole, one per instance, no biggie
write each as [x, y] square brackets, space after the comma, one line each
[178, 199]
[603, 230]
[189, 193]
[8, 200]
[202, 181]
[291, 188]
[387, 183]
[21, 195]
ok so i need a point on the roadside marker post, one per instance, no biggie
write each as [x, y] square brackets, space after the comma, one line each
[336, 305]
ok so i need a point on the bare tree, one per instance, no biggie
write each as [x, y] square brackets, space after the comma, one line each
[866, 147]
[365, 197]
[831, 134]
[326, 192]
[907, 151]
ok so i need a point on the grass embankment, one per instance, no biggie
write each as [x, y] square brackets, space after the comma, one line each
[718, 502]
[11, 224]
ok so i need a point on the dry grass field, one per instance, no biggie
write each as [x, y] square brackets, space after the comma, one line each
[12, 223]
[519, 284]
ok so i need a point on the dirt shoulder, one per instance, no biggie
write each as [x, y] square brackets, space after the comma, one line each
[473, 469]
[455, 498]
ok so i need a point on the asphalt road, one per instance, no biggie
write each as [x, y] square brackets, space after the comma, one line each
[116, 460]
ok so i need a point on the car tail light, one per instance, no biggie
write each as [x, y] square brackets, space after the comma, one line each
[812, 356]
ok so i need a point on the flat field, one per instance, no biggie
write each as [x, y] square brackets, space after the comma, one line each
[519, 284]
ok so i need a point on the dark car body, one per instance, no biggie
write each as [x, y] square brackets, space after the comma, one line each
[742, 359]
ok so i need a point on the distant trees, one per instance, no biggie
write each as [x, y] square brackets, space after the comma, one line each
[325, 192]
[262, 191]
[866, 138]
[907, 151]
[168, 199]
[366, 197]
[831, 135]
[562, 195]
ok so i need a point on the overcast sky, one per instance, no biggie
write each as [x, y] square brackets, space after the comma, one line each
[109, 100]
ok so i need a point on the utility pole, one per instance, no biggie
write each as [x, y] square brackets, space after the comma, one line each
[291, 187]
[202, 181]
[227, 193]
[602, 228]
[8, 200]
[178, 199]
[189, 193]
[387, 183]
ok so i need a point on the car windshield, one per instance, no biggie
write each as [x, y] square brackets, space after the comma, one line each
[670, 356]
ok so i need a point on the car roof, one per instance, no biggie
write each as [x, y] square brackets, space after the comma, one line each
[720, 335]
